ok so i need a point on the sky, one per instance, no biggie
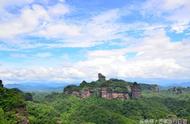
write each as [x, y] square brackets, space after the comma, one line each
[68, 41]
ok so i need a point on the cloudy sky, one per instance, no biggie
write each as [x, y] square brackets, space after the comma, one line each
[71, 40]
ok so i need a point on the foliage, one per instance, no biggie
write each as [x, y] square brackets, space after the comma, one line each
[11, 98]
[60, 108]
[94, 110]
[41, 113]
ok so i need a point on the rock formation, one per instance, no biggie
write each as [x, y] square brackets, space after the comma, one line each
[108, 94]
[105, 93]
[135, 91]
[155, 88]
[176, 90]
[1, 84]
[101, 77]
[103, 90]
[85, 93]
[75, 93]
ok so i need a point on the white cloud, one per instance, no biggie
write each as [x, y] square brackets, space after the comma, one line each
[175, 11]
[59, 30]
[34, 18]
[51, 24]
[59, 9]
[164, 5]
[99, 28]
[157, 57]
[5, 3]
[27, 22]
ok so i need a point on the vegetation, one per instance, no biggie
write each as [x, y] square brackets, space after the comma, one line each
[69, 109]
[61, 108]
[12, 106]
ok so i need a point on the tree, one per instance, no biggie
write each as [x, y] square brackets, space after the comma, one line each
[2, 117]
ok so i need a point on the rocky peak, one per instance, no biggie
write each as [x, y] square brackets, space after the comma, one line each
[135, 90]
[177, 90]
[83, 82]
[1, 84]
[101, 77]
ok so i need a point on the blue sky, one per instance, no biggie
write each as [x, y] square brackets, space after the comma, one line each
[71, 40]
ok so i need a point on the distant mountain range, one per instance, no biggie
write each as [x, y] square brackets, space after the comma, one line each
[184, 84]
[38, 87]
[163, 82]
[53, 86]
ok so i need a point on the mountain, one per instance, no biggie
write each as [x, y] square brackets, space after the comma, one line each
[183, 84]
[37, 87]
[103, 101]
[110, 89]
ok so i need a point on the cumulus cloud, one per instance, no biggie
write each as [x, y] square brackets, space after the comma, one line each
[27, 22]
[49, 23]
[156, 57]
[98, 29]
[34, 18]
[174, 11]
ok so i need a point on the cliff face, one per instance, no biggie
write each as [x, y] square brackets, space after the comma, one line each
[107, 94]
[104, 93]
[86, 93]
[135, 91]
[155, 88]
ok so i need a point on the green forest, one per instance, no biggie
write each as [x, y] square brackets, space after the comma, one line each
[17, 107]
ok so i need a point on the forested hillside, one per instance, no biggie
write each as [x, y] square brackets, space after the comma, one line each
[17, 107]
[13, 105]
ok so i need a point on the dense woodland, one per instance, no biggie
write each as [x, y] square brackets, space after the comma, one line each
[60, 108]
